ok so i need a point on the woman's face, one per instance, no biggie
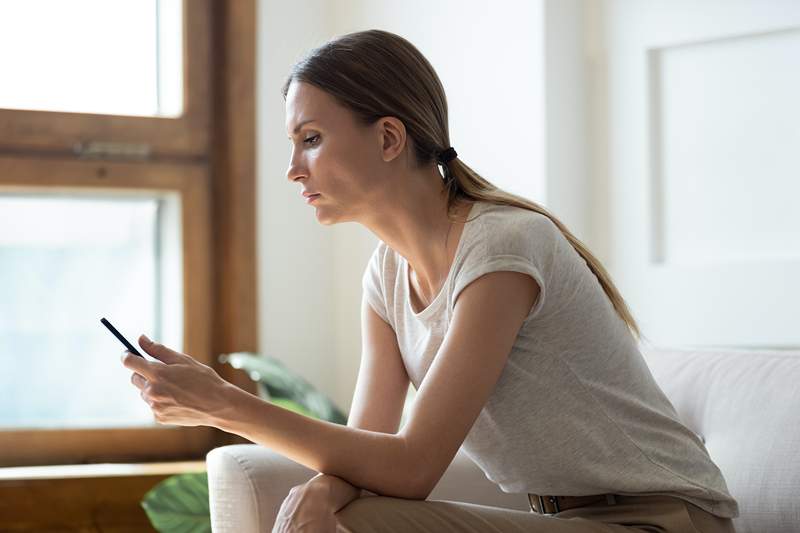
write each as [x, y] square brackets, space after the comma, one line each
[333, 155]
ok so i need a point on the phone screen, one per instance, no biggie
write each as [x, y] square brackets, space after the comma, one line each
[122, 339]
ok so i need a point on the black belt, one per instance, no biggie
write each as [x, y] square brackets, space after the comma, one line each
[556, 504]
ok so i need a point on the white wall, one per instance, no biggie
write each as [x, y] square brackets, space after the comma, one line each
[694, 164]
[295, 253]
[566, 140]
[490, 59]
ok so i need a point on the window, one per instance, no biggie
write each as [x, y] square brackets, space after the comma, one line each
[65, 222]
[117, 58]
[88, 105]
[106, 206]
[65, 259]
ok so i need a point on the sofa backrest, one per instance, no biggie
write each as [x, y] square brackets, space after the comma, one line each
[745, 405]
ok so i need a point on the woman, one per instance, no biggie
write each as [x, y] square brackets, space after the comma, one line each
[520, 347]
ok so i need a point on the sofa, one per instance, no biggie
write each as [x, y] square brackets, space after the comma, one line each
[744, 405]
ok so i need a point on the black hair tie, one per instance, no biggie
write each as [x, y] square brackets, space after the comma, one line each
[445, 156]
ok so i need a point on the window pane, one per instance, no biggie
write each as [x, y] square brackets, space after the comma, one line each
[66, 262]
[92, 56]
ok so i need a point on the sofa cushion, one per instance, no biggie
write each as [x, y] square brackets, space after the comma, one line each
[745, 405]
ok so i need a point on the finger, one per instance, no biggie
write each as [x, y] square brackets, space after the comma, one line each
[139, 364]
[138, 381]
[146, 400]
[159, 351]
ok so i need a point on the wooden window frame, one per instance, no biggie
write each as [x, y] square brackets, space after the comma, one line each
[20, 174]
[208, 157]
[184, 136]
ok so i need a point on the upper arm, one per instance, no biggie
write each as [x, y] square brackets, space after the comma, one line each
[486, 320]
[382, 381]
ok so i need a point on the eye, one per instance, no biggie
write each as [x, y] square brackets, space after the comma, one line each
[312, 140]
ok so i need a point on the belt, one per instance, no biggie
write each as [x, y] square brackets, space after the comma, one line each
[556, 504]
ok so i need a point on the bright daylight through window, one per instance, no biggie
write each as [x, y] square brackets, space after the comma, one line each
[66, 261]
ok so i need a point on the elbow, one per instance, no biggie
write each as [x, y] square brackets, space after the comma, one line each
[411, 490]
[415, 474]
[407, 489]
[422, 483]
[421, 492]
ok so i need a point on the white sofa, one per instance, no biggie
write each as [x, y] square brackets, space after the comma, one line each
[744, 404]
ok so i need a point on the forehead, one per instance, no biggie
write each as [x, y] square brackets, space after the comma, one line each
[307, 102]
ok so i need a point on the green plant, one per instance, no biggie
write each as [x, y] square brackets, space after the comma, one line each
[278, 382]
[179, 503]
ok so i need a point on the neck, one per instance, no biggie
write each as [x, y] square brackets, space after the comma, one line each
[413, 220]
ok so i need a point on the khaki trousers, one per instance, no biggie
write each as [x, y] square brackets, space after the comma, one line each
[656, 514]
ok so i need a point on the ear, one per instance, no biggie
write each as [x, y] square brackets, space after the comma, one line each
[392, 134]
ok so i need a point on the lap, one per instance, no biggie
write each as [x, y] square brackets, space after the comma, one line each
[380, 514]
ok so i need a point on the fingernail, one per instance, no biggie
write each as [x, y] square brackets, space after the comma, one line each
[146, 339]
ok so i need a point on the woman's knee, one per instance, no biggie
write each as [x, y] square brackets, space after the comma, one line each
[251, 481]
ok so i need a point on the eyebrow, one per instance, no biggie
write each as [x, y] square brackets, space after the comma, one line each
[297, 128]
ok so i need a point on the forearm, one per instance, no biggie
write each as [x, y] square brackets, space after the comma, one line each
[378, 462]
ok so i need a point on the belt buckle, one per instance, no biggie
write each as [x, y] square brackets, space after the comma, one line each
[552, 499]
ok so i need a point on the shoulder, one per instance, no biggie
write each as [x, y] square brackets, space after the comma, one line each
[510, 217]
[508, 251]
[506, 229]
[383, 265]
[376, 263]
[381, 254]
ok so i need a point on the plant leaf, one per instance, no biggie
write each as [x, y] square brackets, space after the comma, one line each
[278, 382]
[292, 406]
[179, 504]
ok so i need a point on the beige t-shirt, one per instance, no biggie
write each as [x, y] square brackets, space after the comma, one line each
[576, 410]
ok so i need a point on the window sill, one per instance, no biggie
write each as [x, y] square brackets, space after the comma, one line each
[84, 497]
[100, 470]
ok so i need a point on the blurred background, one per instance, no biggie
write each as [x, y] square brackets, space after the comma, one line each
[143, 154]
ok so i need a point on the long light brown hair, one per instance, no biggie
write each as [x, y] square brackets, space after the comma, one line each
[375, 74]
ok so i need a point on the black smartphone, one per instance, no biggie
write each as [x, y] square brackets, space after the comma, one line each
[122, 339]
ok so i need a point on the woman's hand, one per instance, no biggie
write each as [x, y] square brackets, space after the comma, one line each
[179, 390]
[307, 509]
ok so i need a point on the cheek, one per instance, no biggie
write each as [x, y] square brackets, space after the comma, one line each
[344, 167]
[355, 153]
[332, 165]
[325, 160]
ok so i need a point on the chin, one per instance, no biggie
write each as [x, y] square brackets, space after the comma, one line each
[327, 218]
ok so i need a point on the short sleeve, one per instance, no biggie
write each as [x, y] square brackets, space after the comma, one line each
[372, 283]
[513, 250]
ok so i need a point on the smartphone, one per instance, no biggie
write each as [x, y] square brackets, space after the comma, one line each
[122, 339]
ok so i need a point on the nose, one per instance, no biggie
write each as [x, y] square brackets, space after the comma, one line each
[296, 168]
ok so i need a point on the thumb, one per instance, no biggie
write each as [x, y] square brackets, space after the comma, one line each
[159, 351]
